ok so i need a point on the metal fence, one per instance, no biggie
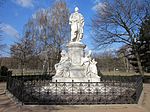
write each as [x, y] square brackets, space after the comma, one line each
[39, 90]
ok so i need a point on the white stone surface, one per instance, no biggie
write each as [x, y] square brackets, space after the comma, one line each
[63, 66]
[74, 65]
[76, 21]
[76, 79]
[76, 52]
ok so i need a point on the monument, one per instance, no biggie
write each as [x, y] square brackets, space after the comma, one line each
[74, 65]
[76, 81]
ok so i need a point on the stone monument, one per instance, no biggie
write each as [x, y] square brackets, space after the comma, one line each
[74, 65]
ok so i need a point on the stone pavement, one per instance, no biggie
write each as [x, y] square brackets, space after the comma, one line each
[146, 97]
[7, 105]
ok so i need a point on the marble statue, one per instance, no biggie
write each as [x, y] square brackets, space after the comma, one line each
[89, 65]
[77, 22]
[74, 65]
[62, 68]
[86, 62]
[93, 69]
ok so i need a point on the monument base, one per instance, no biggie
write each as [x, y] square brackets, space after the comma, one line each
[75, 79]
[76, 74]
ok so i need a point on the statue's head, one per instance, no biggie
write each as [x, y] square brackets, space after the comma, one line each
[63, 52]
[76, 9]
[89, 54]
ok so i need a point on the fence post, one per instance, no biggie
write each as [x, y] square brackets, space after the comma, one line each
[120, 86]
[72, 88]
[89, 92]
[56, 93]
[22, 92]
[138, 87]
[7, 83]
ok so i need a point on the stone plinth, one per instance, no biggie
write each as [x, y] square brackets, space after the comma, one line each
[77, 71]
[76, 52]
[76, 74]
[75, 66]
[76, 79]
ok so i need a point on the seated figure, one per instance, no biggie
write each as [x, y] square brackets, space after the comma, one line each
[89, 65]
[62, 68]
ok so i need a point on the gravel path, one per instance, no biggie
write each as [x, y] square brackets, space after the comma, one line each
[7, 105]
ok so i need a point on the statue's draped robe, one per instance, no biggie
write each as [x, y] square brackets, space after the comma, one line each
[77, 23]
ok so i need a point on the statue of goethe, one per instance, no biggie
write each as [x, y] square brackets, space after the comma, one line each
[76, 21]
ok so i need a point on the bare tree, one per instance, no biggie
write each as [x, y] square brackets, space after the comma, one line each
[109, 61]
[118, 21]
[124, 53]
[49, 27]
[47, 31]
[23, 52]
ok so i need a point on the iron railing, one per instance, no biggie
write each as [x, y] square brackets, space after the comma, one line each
[41, 90]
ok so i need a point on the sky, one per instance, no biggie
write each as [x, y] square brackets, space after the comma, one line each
[14, 14]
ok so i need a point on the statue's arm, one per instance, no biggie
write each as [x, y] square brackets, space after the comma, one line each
[70, 20]
[82, 21]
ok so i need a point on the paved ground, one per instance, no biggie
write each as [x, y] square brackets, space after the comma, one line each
[146, 97]
[7, 105]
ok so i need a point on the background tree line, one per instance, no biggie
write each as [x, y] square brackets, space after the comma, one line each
[120, 21]
[43, 37]
[117, 21]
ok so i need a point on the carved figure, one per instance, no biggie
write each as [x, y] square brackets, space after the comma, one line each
[62, 68]
[76, 21]
[89, 65]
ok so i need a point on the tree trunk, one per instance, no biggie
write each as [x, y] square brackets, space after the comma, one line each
[127, 65]
[139, 63]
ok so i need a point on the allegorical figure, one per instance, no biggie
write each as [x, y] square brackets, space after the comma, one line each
[63, 66]
[89, 65]
[77, 22]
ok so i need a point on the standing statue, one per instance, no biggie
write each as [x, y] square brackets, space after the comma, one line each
[77, 22]
[74, 65]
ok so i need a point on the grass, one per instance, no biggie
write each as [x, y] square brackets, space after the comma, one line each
[39, 72]
[116, 73]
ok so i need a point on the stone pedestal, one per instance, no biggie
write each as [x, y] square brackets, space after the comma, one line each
[75, 79]
[77, 71]
[76, 52]
[76, 74]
